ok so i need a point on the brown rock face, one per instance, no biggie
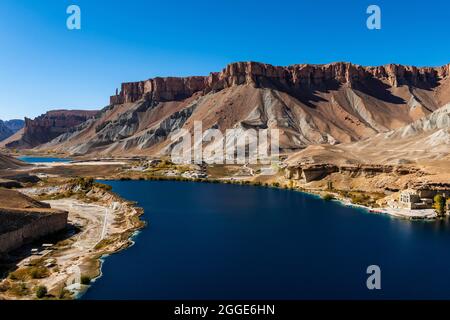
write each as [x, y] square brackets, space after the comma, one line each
[23, 220]
[50, 125]
[20, 226]
[260, 75]
[319, 171]
[327, 104]
[159, 89]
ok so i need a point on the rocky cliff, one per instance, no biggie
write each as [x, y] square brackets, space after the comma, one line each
[23, 220]
[314, 172]
[295, 77]
[20, 226]
[309, 104]
[48, 126]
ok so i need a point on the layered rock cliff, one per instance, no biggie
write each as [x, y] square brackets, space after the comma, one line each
[48, 126]
[23, 220]
[20, 226]
[310, 104]
[302, 76]
[314, 172]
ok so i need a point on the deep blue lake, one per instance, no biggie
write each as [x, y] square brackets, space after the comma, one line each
[215, 241]
[43, 159]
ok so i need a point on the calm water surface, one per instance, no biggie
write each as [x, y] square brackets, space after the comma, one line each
[43, 159]
[213, 241]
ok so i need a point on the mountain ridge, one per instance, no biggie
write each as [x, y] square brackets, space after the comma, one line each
[248, 72]
[424, 140]
[310, 104]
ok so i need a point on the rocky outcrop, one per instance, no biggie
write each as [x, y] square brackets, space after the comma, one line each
[310, 173]
[22, 226]
[301, 76]
[315, 172]
[331, 104]
[49, 126]
[159, 89]
[23, 220]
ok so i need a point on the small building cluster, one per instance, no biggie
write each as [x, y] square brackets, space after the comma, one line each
[421, 199]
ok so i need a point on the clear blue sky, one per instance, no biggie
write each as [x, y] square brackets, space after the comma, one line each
[45, 66]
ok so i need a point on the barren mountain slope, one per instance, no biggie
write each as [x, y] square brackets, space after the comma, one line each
[425, 141]
[15, 137]
[310, 104]
[47, 127]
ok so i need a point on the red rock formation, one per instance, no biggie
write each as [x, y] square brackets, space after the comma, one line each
[310, 104]
[50, 125]
[160, 89]
[266, 75]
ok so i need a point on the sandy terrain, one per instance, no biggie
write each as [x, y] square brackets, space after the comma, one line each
[95, 223]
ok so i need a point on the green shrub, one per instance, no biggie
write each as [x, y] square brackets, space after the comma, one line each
[41, 292]
[327, 197]
[85, 280]
[362, 199]
[439, 204]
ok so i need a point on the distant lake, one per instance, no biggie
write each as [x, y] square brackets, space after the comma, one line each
[43, 159]
[217, 241]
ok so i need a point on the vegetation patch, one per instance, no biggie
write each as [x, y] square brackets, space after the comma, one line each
[328, 197]
[41, 292]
